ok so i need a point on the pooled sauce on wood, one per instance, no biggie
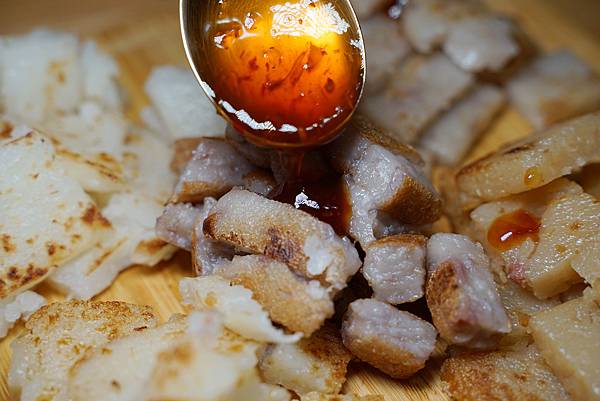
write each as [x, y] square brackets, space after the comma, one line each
[285, 74]
[511, 229]
[322, 194]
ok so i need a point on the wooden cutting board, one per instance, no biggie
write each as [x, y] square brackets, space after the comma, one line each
[145, 33]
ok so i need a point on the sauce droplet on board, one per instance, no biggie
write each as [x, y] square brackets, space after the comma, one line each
[511, 229]
[285, 74]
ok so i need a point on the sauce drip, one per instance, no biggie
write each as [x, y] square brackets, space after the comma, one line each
[532, 177]
[285, 74]
[322, 193]
[511, 229]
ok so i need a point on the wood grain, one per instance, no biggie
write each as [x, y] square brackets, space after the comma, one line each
[145, 33]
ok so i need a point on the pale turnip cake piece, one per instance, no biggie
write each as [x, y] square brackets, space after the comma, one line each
[13, 308]
[482, 43]
[181, 105]
[451, 137]
[553, 88]
[189, 358]
[395, 342]
[47, 218]
[394, 266]
[568, 336]
[418, 91]
[89, 143]
[207, 254]
[40, 75]
[428, 22]
[176, 224]
[511, 375]
[531, 162]
[47, 73]
[317, 363]
[461, 293]
[259, 225]
[58, 335]
[388, 190]
[99, 76]
[386, 47]
[132, 241]
[214, 169]
[290, 300]
[147, 170]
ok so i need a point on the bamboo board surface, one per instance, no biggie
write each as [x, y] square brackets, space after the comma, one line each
[145, 33]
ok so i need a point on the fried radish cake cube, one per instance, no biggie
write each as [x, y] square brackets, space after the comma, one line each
[394, 341]
[291, 300]
[395, 268]
[258, 225]
[461, 293]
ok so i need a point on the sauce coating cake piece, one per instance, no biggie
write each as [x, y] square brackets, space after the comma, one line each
[394, 266]
[461, 293]
[394, 341]
[568, 227]
[542, 237]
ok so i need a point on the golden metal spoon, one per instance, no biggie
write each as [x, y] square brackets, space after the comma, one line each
[285, 74]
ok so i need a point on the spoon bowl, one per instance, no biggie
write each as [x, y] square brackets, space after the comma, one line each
[286, 75]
